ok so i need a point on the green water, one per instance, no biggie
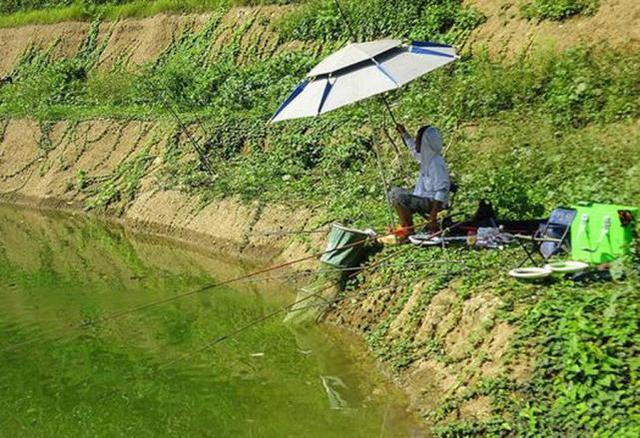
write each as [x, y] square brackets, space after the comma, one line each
[120, 378]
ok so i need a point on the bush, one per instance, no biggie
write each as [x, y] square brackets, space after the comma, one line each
[559, 9]
[418, 20]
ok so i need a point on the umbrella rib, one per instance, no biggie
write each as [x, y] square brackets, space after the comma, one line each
[379, 66]
[325, 94]
[423, 51]
[292, 96]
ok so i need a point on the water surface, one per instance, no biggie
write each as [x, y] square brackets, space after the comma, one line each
[121, 377]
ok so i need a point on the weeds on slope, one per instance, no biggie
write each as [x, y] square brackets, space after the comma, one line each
[585, 338]
[558, 10]
[15, 13]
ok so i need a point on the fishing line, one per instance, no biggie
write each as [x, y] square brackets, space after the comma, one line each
[183, 127]
[117, 315]
[257, 321]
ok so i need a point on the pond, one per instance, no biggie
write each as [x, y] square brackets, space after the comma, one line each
[149, 372]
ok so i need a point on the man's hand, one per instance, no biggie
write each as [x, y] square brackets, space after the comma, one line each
[401, 129]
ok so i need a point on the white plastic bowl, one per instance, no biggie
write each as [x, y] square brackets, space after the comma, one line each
[530, 274]
[568, 267]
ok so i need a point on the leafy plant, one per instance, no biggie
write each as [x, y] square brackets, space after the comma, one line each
[558, 9]
[420, 20]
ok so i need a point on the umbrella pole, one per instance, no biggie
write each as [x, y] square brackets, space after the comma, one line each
[386, 104]
[392, 220]
[346, 21]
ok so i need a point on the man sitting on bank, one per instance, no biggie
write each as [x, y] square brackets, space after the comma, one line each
[431, 193]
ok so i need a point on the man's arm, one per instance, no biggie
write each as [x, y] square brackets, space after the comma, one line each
[408, 141]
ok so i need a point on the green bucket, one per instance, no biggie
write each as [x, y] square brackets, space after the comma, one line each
[601, 233]
[347, 248]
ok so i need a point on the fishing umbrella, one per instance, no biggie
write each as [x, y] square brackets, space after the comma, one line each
[362, 70]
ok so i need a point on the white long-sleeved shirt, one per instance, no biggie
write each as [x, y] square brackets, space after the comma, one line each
[433, 180]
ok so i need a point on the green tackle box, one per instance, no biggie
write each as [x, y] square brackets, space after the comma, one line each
[601, 233]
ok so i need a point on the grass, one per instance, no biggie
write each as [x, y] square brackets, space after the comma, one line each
[91, 10]
[558, 10]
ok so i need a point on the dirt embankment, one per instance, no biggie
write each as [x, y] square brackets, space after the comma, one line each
[133, 42]
[505, 34]
[44, 166]
[461, 342]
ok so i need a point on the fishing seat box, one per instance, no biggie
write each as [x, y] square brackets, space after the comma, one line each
[601, 233]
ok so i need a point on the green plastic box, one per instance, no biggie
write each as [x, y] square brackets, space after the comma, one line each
[601, 233]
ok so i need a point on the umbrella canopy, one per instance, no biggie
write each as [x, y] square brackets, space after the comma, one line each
[362, 70]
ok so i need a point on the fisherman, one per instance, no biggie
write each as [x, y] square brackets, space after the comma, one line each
[431, 193]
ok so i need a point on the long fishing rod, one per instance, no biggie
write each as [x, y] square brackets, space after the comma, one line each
[308, 273]
[196, 146]
[117, 315]
[263, 318]
[123, 313]
[288, 232]
[259, 320]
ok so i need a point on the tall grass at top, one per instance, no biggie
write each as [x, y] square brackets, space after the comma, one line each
[88, 10]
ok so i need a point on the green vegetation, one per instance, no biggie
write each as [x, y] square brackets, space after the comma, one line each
[548, 129]
[445, 20]
[22, 12]
[585, 338]
[559, 9]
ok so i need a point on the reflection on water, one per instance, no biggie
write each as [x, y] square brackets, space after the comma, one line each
[112, 379]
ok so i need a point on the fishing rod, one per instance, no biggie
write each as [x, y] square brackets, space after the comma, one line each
[288, 232]
[255, 322]
[261, 319]
[202, 289]
[118, 315]
[201, 152]
[270, 315]
[309, 272]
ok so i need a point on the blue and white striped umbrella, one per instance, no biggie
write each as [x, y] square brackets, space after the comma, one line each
[362, 70]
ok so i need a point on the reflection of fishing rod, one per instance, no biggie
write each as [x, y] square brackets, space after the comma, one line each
[268, 316]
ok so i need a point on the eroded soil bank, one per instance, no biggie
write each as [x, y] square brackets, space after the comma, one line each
[45, 167]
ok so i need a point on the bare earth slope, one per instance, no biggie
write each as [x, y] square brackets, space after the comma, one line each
[616, 24]
[39, 169]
